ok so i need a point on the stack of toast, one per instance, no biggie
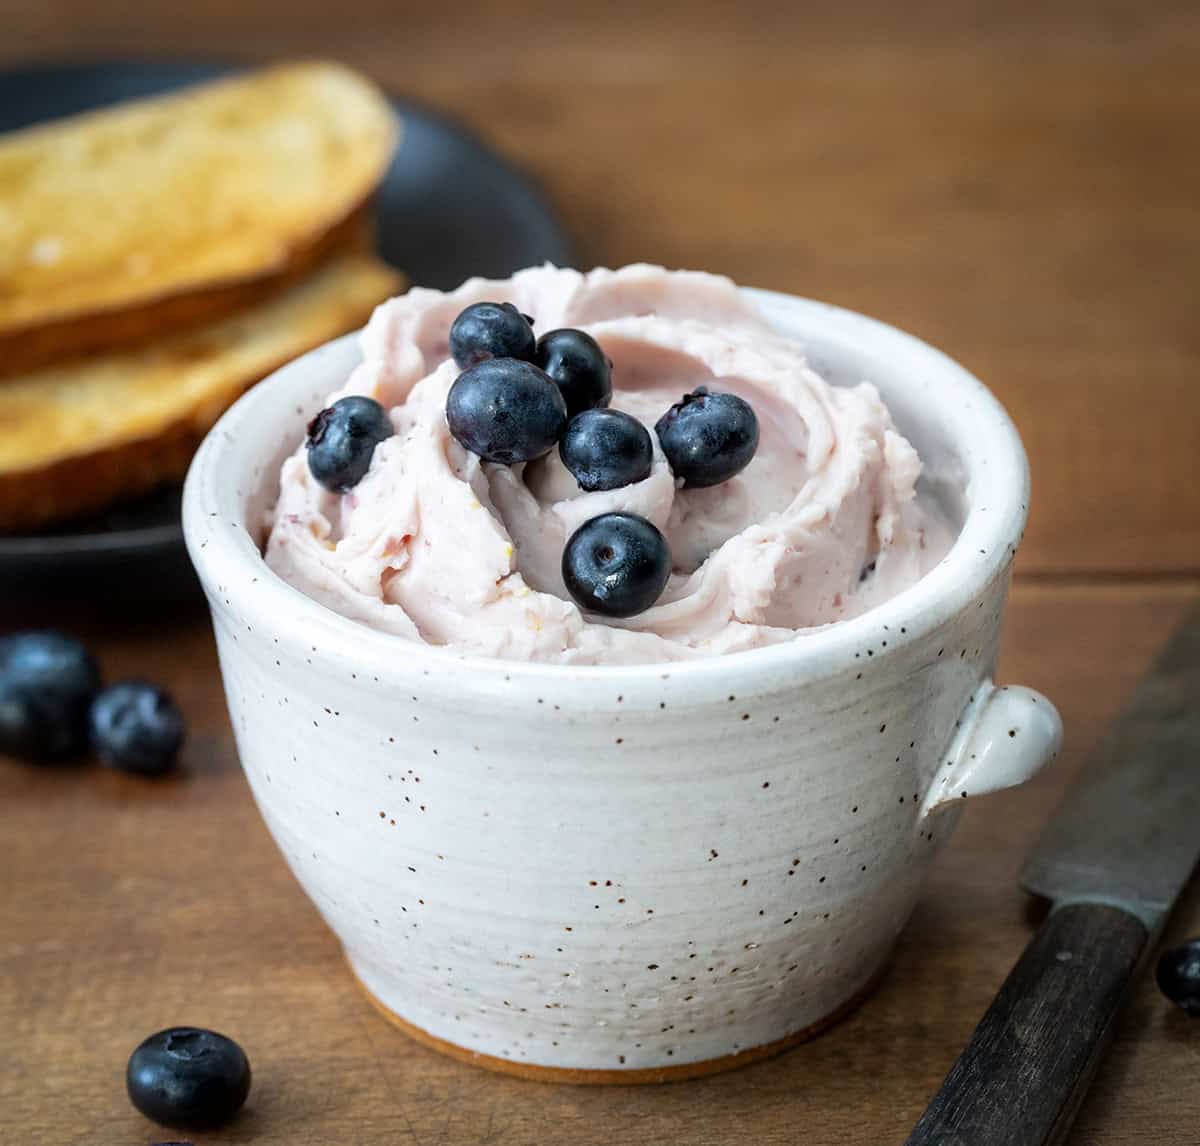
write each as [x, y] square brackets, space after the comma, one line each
[159, 258]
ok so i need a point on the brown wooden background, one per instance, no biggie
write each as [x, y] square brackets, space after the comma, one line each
[1018, 182]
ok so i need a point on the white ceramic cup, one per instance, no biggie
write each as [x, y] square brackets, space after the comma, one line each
[626, 873]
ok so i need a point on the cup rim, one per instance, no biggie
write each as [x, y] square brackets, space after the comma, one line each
[996, 478]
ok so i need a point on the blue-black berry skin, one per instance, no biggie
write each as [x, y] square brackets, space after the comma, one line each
[1178, 976]
[491, 330]
[578, 366]
[342, 439]
[30, 728]
[506, 411]
[136, 727]
[606, 449]
[616, 564]
[188, 1078]
[47, 681]
[708, 438]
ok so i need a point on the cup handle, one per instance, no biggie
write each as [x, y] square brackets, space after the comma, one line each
[1006, 735]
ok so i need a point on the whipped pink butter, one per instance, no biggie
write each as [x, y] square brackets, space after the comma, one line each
[437, 546]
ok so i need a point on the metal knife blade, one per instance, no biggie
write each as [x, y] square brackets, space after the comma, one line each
[1128, 831]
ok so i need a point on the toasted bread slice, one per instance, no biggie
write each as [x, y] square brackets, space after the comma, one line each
[77, 437]
[126, 223]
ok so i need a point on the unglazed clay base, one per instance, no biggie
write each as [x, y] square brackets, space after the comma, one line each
[637, 1077]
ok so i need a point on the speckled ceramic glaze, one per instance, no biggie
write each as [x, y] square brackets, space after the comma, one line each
[647, 869]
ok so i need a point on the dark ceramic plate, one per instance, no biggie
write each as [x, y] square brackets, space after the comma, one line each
[449, 208]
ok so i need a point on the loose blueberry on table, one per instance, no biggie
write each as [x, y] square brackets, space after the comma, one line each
[708, 438]
[47, 681]
[491, 330]
[342, 439]
[505, 410]
[606, 449]
[616, 564]
[578, 366]
[136, 727]
[1178, 976]
[188, 1077]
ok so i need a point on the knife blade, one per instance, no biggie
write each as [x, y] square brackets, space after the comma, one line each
[1128, 832]
[1112, 860]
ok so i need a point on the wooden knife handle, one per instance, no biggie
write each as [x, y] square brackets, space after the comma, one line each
[1028, 1065]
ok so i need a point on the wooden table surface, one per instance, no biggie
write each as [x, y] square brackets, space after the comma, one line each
[1019, 183]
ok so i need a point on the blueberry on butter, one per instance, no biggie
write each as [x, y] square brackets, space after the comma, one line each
[578, 366]
[491, 330]
[189, 1078]
[47, 681]
[342, 439]
[708, 438]
[506, 411]
[606, 449]
[616, 564]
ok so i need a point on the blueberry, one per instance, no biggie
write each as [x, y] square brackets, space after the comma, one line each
[136, 727]
[1178, 975]
[491, 330]
[708, 438]
[342, 440]
[580, 368]
[30, 728]
[606, 449]
[616, 564]
[47, 681]
[187, 1077]
[506, 411]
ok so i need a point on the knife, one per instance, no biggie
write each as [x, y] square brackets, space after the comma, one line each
[1112, 861]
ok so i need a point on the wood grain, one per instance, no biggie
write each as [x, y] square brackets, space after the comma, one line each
[1028, 1065]
[126, 906]
[1017, 182]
